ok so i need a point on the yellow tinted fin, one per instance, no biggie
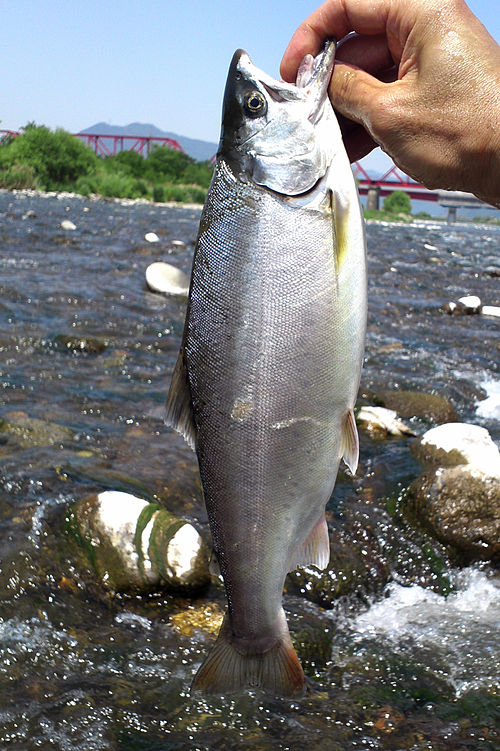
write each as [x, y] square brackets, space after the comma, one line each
[341, 225]
[228, 668]
[179, 409]
[350, 442]
[316, 549]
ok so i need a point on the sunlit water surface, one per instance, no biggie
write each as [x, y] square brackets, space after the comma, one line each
[408, 668]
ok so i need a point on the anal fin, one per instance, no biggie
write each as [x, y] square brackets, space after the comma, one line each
[316, 549]
[350, 442]
[179, 409]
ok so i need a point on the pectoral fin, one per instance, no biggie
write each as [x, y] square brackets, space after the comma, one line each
[350, 442]
[179, 408]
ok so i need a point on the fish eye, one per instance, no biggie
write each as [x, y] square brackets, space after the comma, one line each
[255, 103]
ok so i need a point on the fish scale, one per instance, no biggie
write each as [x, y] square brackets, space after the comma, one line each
[269, 366]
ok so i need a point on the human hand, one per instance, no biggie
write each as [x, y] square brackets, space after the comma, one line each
[421, 79]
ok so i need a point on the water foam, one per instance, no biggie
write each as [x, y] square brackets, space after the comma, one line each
[490, 407]
[457, 636]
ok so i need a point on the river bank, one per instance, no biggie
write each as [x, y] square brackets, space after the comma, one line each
[370, 216]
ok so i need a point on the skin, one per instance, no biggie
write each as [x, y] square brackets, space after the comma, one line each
[420, 79]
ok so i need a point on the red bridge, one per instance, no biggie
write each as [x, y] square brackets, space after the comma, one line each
[374, 188]
[109, 145]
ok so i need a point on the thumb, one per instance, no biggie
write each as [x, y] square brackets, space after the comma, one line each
[355, 93]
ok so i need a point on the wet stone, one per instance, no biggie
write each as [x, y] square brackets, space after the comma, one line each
[26, 432]
[89, 344]
[382, 421]
[418, 404]
[136, 546]
[460, 508]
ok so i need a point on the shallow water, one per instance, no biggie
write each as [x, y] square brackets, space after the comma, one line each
[87, 352]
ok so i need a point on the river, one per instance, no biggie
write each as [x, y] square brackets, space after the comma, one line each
[86, 354]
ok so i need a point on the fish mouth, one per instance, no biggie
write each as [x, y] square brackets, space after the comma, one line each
[312, 80]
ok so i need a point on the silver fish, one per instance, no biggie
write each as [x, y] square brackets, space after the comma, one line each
[270, 362]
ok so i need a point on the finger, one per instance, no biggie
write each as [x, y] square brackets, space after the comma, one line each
[352, 92]
[334, 18]
[358, 144]
[368, 52]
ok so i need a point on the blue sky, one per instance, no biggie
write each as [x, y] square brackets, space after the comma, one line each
[74, 63]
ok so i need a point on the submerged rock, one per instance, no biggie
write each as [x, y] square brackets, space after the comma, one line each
[459, 502]
[419, 404]
[136, 546]
[89, 344]
[26, 431]
[163, 277]
[382, 420]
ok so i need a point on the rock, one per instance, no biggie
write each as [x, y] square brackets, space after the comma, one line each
[151, 237]
[28, 431]
[491, 310]
[30, 214]
[469, 304]
[459, 502]
[89, 344]
[178, 243]
[460, 508]
[136, 546]
[68, 225]
[459, 443]
[163, 277]
[449, 307]
[382, 420]
[418, 404]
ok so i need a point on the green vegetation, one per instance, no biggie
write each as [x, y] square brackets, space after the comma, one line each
[398, 202]
[45, 160]
[397, 208]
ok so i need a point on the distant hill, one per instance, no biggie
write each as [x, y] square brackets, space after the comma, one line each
[199, 150]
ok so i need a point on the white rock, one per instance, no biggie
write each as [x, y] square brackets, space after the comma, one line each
[491, 310]
[178, 243]
[182, 551]
[428, 246]
[380, 418]
[163, 277]
[471, 441]
[156, 556]
[449, 307]
[471, 303]
[151, 237]
[67, 224]
[118, 513]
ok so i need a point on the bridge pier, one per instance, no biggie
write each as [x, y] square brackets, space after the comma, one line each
[373, 198]
[452, 214]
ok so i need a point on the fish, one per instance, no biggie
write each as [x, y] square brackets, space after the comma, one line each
[269, 366]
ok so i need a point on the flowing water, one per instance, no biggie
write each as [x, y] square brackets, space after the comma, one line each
[86, 354]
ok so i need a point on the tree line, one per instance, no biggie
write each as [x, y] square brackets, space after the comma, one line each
[42, 159]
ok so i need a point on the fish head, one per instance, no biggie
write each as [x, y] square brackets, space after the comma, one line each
[276, 134]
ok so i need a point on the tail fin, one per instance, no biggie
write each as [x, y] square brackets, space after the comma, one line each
[226, 670]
